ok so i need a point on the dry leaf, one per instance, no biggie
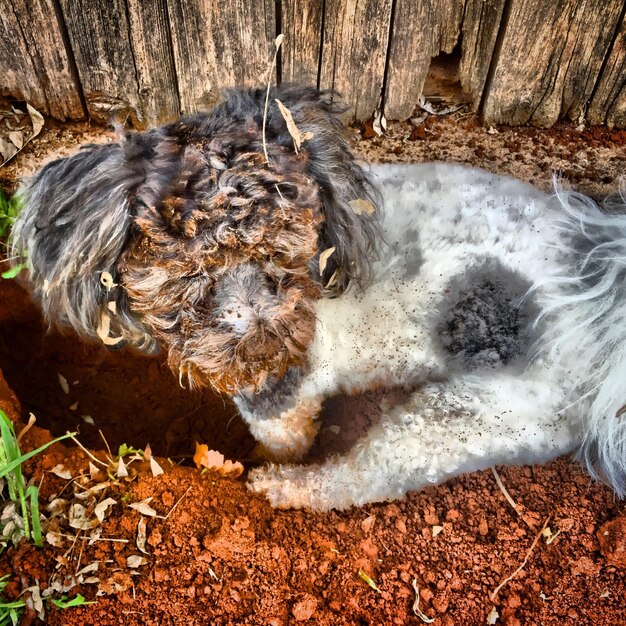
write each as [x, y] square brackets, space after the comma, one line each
[155, 467]
[107, 280]
[93, 470]
[63, 383]
[367, 523]
[135, 560]
[142, 525]
[17, 139]
[88, 569]
[360, 206]
[55, 539]
[493, 616]
[7, 150]
[298, 137]
[324, 256]
[332, 281]
[78, 518]
[144, 507]
[60, 471]
[104, 327]
[379, 124]
[121, 472]
[368, 580]
[549, 535]
[214, 461]
[36, 118]
[436, 530]
[101, 508]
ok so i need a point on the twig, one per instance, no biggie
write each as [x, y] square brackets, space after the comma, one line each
[505, 493]
[31, 422]
[106, 443]
[277, 42]
[416, 605]
[95, 459]
[521, 567]
[177, 502]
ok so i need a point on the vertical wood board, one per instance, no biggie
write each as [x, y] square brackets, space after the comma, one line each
[481, 24]
[100, 38]
[34, 62]
[220, 43]
[355, 39]
[302, 27]
[608, 105]
[421, 30]
[550, 59]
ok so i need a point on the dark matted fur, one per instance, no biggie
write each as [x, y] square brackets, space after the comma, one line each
[214, 248]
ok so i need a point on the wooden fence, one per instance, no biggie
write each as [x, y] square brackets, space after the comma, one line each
[515, 61]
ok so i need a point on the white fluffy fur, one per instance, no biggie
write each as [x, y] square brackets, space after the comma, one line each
[439, 222]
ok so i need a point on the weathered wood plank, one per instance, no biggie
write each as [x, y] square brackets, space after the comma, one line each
[154, 60]
[220, 43]
[34, 63]
[302, 27]
[100, 38]
[550, 58]
[124, 59]
[481, 23]
[421, 30]
[355, 41]
[608, 105]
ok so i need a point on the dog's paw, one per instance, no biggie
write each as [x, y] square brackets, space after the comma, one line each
[291, 487]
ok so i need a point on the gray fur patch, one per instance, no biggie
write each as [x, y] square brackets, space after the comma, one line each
[483, 322]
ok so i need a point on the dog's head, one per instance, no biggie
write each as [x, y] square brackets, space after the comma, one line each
[204, 236]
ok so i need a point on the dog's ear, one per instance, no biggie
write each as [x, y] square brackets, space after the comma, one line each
[72, 230]
[350, 227]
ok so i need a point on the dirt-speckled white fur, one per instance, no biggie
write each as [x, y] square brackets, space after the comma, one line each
[439, 222]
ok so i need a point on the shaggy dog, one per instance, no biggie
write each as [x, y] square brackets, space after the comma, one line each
[284, 276]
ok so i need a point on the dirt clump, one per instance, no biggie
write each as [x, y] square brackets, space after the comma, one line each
[612, 538]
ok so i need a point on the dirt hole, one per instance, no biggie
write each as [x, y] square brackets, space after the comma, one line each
[135, 399]
[132, 399]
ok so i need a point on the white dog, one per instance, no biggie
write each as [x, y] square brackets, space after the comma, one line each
[256, 266]
[503, 307]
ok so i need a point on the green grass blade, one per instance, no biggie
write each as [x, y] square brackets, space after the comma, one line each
[64, 603]
[33, 493]
[24, 457]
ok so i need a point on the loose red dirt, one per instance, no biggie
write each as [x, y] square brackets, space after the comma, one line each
[223, 555]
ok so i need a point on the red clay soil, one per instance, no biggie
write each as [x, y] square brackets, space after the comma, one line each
[220, 555]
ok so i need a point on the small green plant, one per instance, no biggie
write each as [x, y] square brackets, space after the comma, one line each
[26, 521]
[67, 603]
[10, 612]
[11, 460]
[10, 207]
[125, 450]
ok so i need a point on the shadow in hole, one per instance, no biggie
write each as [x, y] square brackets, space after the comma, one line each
[132, 399]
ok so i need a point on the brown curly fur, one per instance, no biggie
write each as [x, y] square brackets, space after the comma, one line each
[224, 212]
